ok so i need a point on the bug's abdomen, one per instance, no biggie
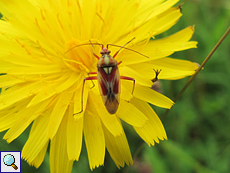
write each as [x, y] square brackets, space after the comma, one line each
[109, 84]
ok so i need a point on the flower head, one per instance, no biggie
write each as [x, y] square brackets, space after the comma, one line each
[43, 69]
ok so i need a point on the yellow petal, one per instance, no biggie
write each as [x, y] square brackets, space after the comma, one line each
[110, 121]
[5, 66]
[170, 68]
[7, 29]
[40, 157]
[8, 116]
[153, 128]
[7, 80]
[29, 11]
[150, 9]
[94, 140]
[180, 36]
[59, 161]
[6, 120]
[158, 48]
[119, 22]
[24, 60]
[126, 71]
[47, 69]
[55, 87]
[74, 135]
[130, 114]
[118, 148]
[25, 117]
[71, 80]
[126, 90]
[154, 24]
[58, 112]
[151, 96]
[167, 20]
[35, 26]
[18, 92]
[174, 68]
[35, 148]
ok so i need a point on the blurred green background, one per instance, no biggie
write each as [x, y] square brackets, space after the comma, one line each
[198, 126]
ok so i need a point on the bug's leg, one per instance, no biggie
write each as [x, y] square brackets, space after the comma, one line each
[129, 78]
[92, 72]
[157, 73]
[88, 78]
[91, 80]
[119, 63]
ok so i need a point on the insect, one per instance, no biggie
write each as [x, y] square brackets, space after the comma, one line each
[108, 76]
[157, 73]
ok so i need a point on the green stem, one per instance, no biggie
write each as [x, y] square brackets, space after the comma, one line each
[198, 70]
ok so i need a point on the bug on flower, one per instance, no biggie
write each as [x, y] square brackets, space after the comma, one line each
[108, 76]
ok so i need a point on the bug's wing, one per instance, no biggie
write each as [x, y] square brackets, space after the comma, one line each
[109, 86]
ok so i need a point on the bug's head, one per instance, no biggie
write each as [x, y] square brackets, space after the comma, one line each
[105, 51]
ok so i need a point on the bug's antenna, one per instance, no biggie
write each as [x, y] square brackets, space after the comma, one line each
[120, 47]
[130, 50]
[93, 49]
[123, 47]
[83, 45]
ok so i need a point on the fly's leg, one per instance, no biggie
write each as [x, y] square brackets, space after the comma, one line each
[129, 78]
[88, 78]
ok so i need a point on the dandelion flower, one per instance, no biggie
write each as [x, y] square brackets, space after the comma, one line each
[42, 78]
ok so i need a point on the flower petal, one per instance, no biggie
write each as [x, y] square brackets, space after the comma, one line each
[159, 48]
[25, 117]
[153, 128]
[94, 140]
[126, 71]
[7, 81]
[58, 112]
[118, 148]
[151, 96]
[180, 36]
[74, 135]
[8, 116]
[166, 20]
[40, 157]
[59, 161]
[151, 9]
[170, 68]
[35, 148]
[110, 121]
[47, 69]
[18, 92]
[130, 114]
[56, 86]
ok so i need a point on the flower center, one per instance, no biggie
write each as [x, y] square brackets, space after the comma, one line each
[80, 56]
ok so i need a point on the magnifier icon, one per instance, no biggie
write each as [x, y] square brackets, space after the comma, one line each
[9, 160]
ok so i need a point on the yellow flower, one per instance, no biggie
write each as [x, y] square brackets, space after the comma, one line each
[42, 75]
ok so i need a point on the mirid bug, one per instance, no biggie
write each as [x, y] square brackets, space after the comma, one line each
[108, 76]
